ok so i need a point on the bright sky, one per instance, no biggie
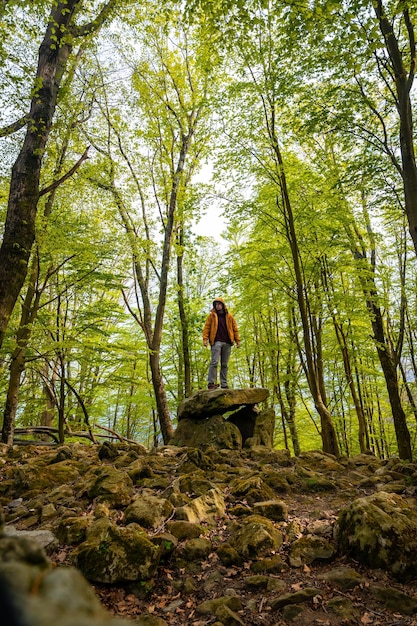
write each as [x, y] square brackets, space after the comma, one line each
[212, 223]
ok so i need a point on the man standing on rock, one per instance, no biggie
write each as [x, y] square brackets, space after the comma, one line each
[220, 331]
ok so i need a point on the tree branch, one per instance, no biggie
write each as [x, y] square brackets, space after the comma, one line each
[97, 23]
[15, 126]
[63, 178]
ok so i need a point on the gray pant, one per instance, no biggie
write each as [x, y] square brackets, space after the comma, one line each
[219, 350]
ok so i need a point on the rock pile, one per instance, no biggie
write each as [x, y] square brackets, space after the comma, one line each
[248, 536]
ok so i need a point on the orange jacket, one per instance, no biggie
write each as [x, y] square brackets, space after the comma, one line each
[210, 327]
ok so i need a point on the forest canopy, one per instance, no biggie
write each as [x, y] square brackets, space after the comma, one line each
[155, 156]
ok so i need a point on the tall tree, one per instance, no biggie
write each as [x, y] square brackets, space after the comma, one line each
[399, 35]
[172, 86]
[19, 229]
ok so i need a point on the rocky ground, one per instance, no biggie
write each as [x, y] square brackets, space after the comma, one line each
[264, 551]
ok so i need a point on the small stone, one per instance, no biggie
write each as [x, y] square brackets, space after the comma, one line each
[342, 607]
[228, 617]
[308, 549]
[275, 510]
[48, 512]
[210, 607]
[343, 577]
[295, 598]
[395, 600]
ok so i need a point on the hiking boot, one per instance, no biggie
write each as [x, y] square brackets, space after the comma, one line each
[225, 387]
[212, 386]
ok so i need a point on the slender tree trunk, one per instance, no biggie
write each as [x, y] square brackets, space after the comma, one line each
[162, 406]
[391, 380]
[49, 376]
[16, 369]
[386, 358]
[18, 361]
[314, 375]
[185, 341]
[362, 430]
[61, 404]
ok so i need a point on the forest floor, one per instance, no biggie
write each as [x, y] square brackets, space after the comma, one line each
[177, 602]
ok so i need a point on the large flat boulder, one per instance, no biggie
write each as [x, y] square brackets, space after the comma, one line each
[205, 403]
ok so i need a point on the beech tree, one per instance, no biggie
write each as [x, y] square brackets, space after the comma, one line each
[62, 30]
[172, 87]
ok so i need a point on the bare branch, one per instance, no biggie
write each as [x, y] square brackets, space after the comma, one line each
[63, 178]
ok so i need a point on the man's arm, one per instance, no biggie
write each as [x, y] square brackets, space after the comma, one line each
[206, 331]
[235, 332]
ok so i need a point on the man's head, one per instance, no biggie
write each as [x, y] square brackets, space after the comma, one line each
[218, 304]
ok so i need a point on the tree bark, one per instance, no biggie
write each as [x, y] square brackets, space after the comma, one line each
[19, 231]
[403, 79]
[185, 342]
[386, 357]
[162, 406]
[315, 382]
[391, 380]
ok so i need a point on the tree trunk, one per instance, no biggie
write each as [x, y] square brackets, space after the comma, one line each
[362, 430]
[164, 416]
[403, 84]
[313, 371]
[16, 369]
[61, 404]
[391, 380]
[19, 230]
[185, 342]
[386, 358]
[49, 376]
[30, 309]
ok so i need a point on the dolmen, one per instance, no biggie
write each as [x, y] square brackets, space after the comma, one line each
[226, 419]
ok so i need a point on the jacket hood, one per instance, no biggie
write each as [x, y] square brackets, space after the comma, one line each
[219, 300]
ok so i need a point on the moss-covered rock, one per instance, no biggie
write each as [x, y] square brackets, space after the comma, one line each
[273, 565]
[115, 554]
[194, 485]
[304, 595]
[275, 510]
[210, 607]
[343, 577]
[380, 531]
[149, 511]
[263, 434]
[252, 488]
[203, 404]
[207, 508]
[229, 555]
[72, 530]
[395, 599]
[310, 548]
[112, 486]
[204, 433]
[195, 549]
[37, 477]
[255, 537]
[181, 529]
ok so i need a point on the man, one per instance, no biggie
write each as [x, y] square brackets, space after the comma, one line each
[220, 331]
